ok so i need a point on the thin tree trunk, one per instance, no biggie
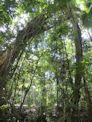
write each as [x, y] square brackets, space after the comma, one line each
[78, 73]
[88, 100]
[79, 69]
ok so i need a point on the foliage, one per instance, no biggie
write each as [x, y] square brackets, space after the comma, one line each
[44, 60]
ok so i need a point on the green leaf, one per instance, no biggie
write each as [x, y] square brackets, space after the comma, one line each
[87, 19]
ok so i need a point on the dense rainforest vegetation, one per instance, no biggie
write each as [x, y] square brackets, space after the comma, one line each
[45, 60]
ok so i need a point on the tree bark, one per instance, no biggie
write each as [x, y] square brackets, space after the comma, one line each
[78, 72]
[79, 67]
[33, 28]
[36, 26]
[88, 100]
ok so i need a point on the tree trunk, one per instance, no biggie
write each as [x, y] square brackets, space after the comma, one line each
[7, 67]
[78, 72]
[88, 100]
[79, 67]
[36, 26]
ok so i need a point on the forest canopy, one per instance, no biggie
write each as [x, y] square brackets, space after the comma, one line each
[45, 60]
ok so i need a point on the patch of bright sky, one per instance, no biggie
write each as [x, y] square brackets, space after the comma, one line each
[17, 0]
[49, 74]
[3, 28]
[20, 21]
[50, 1]
[82, 5]
[42, 45]
[85, 34]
